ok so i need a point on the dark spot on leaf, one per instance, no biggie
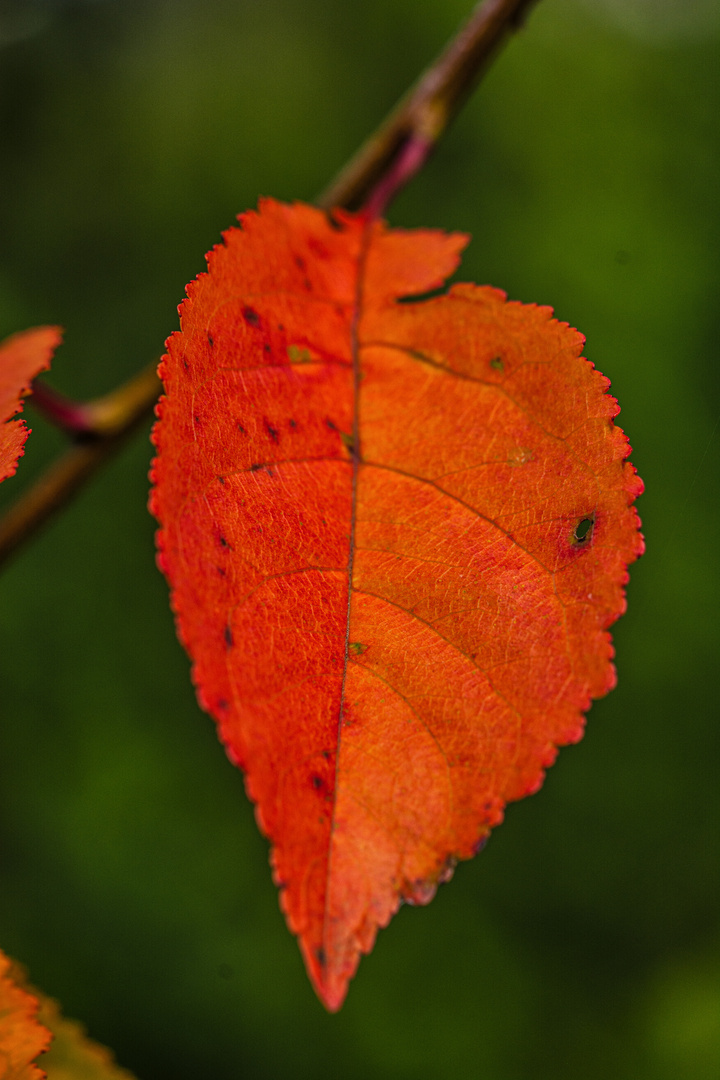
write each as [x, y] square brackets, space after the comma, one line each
[266, 346]
[251, 316]
[497, 363]
[198, 421]
[348, 442]
[317, 782]
[258, 465]
[221, 479]
[326, 754]
[229, 637]
[223, 542]
[334, 222]
[272, 432]
[330, 424]
[583, 531]
[222, 703]
[356, 648]
[320, 954]
[241, 429]
[300, 263]
[293, 424]
[281, 328]
[210, 341]
[220, 571]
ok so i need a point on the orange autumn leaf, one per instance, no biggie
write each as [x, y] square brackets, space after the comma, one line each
[22, 356]
[22, 1036]
[33, 1027]
[396, 535]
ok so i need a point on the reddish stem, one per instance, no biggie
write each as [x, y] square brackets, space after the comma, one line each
[71, 416]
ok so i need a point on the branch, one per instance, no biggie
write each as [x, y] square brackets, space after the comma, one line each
[423, 114]
[110, 420]
[386, 162]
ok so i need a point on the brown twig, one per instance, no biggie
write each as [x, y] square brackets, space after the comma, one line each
[423, 114]
[110, 421]
[381, 167]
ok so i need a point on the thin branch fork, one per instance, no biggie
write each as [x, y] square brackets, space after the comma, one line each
[386, 162]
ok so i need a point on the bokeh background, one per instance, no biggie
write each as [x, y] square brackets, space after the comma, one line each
[583, 942]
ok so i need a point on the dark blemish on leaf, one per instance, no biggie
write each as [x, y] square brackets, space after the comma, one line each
[241, 429]
[320, 954]
[497, 363]
[300, 263]
[257, 466]
[220, 571]
[185, 364]
[266, 346]
[223, 542]
[356, 648]
[293, 424]
[222, 703]
[221, 479]
[229, 637]
[330, 424]
[251, 316]
[348, 442]
[583, 531]
[326, 754]
[272, 432]
[210, 341]
[281, 328]
[198, 421]
[317, 782]
[334, 222]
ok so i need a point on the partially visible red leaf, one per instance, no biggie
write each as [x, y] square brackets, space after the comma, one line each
[396, 535]
[32, 1026]
[22, 356]
[22, 1037]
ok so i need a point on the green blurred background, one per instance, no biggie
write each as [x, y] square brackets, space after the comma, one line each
[584, 941]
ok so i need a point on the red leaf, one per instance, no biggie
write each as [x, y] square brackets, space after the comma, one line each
[22, 1037]
[31, 1024]
[455, 459]
[22, 356]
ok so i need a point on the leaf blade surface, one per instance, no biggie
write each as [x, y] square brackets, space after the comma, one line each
[396, 535]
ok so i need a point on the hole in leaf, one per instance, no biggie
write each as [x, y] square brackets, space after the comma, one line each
[582, 533]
